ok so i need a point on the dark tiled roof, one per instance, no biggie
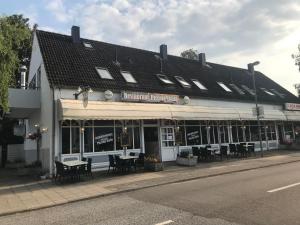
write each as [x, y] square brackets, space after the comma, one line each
[69, 65]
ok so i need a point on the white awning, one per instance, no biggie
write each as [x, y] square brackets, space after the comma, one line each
[292, 115]
[269, 114]
[100, 110]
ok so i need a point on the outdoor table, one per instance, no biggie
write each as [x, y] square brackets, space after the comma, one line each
[129, 160]
[128, 157]
[74, 163]
[74, 167]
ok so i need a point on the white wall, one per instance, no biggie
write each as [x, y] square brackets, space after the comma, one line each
[42, 117]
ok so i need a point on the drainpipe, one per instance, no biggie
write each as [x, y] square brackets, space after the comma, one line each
[53, 134]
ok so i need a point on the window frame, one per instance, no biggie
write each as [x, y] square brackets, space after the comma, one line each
[98, 69]
[237, 89]
[224, 87]
[183, 82]
[199, 85]
[133, 80]
[164, 78]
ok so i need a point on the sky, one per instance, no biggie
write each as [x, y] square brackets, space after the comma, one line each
[230, 32]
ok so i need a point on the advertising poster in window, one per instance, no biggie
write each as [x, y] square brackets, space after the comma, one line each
[125, 139]
[178, 138]
[104, 139]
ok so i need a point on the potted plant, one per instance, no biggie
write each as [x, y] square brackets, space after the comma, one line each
[152, 163]
[185, 158]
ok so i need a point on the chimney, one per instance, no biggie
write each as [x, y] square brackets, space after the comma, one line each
[75, 32]
[202, 59]
[164, 52]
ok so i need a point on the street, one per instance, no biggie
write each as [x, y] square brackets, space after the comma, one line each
[268, 196]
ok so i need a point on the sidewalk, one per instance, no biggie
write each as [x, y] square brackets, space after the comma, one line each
[41, 194]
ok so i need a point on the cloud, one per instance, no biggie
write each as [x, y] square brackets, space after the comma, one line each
[229, 31]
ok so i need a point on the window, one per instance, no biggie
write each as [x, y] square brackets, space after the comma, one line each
[164, 79]
[224, 87]
[238, 90]
[199, 85]
[277, 93]
[103, 73]
[183, 82]
[167, 137]
[32, 83]
[128, 77]
[267, 92]
[250, 91]
[70, 138]
[193, 135]
[103, 139]
[87, 45]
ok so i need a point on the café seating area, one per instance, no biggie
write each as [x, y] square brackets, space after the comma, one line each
[125, 163]
[73, 170]
[234, 150]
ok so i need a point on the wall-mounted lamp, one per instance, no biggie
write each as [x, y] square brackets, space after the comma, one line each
[44, 130]
[82, 90]
[36, 125]
[82, 129]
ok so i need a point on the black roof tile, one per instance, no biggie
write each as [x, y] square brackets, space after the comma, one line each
[70, 65]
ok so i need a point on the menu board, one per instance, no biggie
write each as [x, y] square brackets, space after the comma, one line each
[193, 135]
[103, 139]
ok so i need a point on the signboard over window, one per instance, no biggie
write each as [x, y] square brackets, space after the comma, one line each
[148, 97]
[292, 106]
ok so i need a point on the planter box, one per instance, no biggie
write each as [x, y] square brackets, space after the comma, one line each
[187, 161]
[153, 166]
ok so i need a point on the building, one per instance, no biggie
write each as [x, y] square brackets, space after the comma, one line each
[152, 95]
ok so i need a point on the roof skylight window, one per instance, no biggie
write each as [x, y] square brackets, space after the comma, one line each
[164, 79]
[128, 77]
[277, 93]
[183, 82]
[104, 73]
[250, 91]
[199, 85]
[240, 91]
[224, 87]
[267, 92]
[87, 45]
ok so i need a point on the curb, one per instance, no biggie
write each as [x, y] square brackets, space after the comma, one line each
[146, 187]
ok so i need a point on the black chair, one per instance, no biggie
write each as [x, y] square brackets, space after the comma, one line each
[62, 172]
[131, 154]
[204, 153]
[232, 149]
[251, 149]
[196, 152]
[112, 163]
[241, 150]
[88, 168]
[140, 161]
[120, 164]
[224, 151]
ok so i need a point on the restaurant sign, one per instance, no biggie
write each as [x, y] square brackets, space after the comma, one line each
[292, 106]
[131, 96]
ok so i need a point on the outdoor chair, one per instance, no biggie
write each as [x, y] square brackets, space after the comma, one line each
[196, 152]
[112, 163]
[241, 149]
[224, 151]
[88, 168]
[132, 154]
[120, 164]
[62, 172]
[251, 149]
[204, 153]
[140, 161]
[232, 150]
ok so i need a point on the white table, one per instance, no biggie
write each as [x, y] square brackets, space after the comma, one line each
[124, 157]
[74, 163]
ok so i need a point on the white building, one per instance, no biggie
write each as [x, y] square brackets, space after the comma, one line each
[150, 93]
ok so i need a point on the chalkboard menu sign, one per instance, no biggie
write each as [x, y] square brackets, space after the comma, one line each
[125, 139]
[178, 137]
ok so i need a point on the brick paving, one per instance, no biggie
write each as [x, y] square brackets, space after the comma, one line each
[23, 196]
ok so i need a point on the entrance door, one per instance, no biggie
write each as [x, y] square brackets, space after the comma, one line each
[151, 141]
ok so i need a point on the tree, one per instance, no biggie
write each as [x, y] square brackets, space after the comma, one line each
[296, 57]
[15, 45]
[190, 54]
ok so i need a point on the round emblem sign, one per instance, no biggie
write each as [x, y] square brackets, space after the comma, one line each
[108, 95]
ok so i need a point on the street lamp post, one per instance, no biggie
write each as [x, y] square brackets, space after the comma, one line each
[251, 70]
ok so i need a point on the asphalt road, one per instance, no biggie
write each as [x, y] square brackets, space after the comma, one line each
[268, 196]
